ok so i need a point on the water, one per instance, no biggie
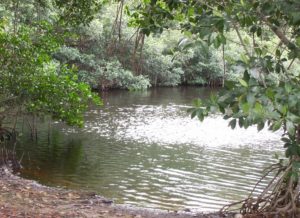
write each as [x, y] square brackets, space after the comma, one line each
[143, 149]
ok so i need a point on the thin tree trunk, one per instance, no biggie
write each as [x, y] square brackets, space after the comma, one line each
[224, 65]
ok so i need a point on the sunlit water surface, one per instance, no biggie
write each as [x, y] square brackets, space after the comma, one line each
[143, 149]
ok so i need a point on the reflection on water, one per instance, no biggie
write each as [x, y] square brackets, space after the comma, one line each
[142, 148]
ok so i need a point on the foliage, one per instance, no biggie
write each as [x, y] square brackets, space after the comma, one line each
[202, 66]
[33, 79]
[98, 43]
[76, 12]
[161, 70]
[112, 74]
[257, 98]
[101, 73]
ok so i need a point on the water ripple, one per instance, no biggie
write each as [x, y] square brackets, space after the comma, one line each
[143, 151]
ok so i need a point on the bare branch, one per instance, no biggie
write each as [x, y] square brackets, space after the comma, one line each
[241, 39]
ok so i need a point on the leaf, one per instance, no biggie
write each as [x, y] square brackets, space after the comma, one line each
[253, 29]
[232, 123]
[221, 109]
[276, 126]
[191, 11]
[296, 17]
[270, 93]
[246, 76]
[243, 82]
[288, 87]
[287, 140]
[290, 128]
[251, 98]
[185, 44]
[244, 58]
[201, 116]
[293, 118]
[296, 165]
[246, 108]
[194, 113]
[220, 26]
[298, 41]
[295, 176]
[197, 102]
[278, 53]
[241, 122]
[229, 84]
[190, 110]
[288, 152]
[258, 108]
[259, 32]
[260, 126]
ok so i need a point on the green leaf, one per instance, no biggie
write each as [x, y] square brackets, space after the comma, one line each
[258, 108]
[201, 116]
[243, 83]
[246, 76]
[251, 98]
[259, 31]
[246, 108]
[270, 93]
[278, 53]
[191, 11]
[232, 123]
[260, 126]
[293, 118]
[194, 113]
[288, 87]
[288, 152]
[197, 103]
[190, 110]
[287, 140]
[277, 125]
[229, 84]
[296, 18]
[298, 41]
[244, 58]
[296, 165]
[290, 128]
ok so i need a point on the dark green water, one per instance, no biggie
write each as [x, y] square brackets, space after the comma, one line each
[142, 148]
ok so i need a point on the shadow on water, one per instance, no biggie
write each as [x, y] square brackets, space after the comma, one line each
[142, 148]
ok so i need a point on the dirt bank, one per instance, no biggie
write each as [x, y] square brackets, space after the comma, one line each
[25, 198]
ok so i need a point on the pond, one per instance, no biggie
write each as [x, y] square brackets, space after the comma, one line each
[142, 148]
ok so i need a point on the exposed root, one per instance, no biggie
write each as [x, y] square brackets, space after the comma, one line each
[279, 198]
[7, 134]
[9, 159]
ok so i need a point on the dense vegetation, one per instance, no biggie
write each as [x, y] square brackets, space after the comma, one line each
[52, 52]
[111, 54]
[31, 80]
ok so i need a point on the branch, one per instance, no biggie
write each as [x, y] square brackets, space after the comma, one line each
[279, 33]
[241, 40]
[290, 65]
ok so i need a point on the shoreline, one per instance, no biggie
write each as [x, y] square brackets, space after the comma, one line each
[27, 198]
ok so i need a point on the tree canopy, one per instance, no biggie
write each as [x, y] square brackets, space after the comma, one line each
[31, 80]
